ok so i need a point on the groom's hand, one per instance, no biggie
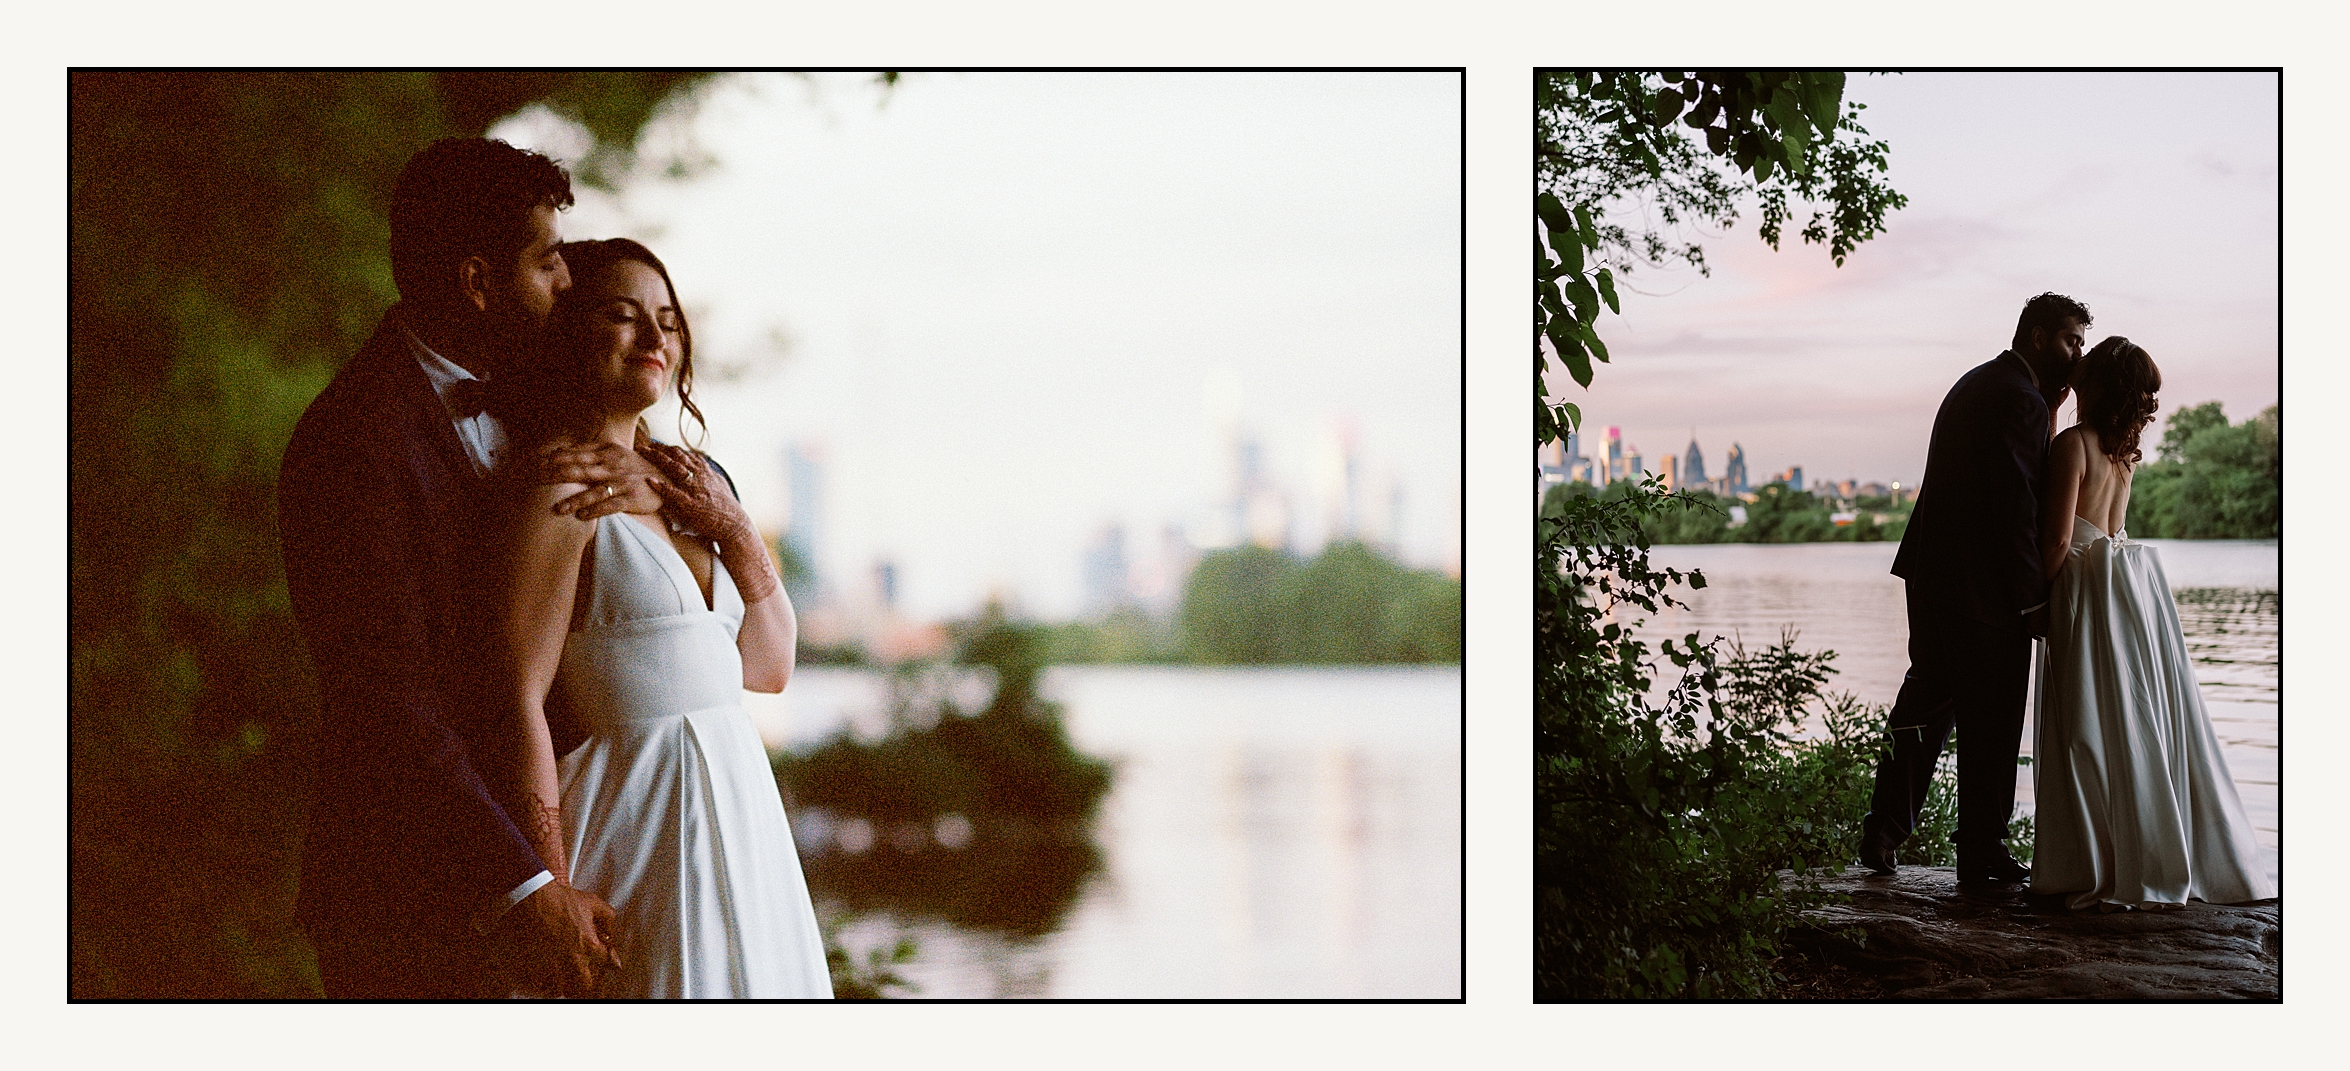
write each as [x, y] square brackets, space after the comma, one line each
[560, 940]
[618, 480]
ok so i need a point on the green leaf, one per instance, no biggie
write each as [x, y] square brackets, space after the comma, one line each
[1762, 167]
[1708, 106]
[1782, 109]
[1793, 139]
[1578, 363]
[1607, 291]
[1825, 93]
[1586, 299]
[1717, 139]
[1591, 338]
[1668, 105]
[1553, 214]
[1583, 226]
[1574, 414]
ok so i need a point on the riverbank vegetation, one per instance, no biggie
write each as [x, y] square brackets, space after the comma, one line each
[1661, 822]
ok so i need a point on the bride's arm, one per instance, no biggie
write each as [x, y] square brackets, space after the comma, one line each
[770, 629]
[540, 581]
[2060, 496]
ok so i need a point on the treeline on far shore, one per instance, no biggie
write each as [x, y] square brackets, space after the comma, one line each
[2206, 479]
[1777, 514]
[1252, 605]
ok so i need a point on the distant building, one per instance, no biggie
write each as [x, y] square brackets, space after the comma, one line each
[1734, 475]
[1613, 460]
[1693, 463]
[804, 468]
[1672, 473]
[1630, 468]
[1106, 573]
[1793, 477]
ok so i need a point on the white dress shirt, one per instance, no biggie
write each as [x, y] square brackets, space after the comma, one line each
[483, 437]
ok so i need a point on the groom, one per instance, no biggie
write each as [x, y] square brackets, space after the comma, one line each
[416, 882]
[1970, 560]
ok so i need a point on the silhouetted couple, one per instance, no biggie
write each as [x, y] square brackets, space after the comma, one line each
[532, 625]
[2012, 538]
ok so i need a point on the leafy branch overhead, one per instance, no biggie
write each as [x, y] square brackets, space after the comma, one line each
[1671, 150]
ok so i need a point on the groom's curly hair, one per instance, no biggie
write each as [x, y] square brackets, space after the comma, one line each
[2118, 384]
[2049, 312]
[462, 197]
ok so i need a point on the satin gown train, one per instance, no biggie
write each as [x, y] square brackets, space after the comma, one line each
[2134, 802]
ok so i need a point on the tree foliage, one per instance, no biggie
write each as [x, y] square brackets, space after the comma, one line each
[2211, 480]
[228, 251]
[1349, 604]
[1660, 822]
[1777, 515]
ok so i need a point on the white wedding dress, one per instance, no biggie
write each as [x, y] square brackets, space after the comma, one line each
[670, 811]
[2133, 798]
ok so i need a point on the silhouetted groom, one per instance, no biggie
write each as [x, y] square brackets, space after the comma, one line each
[1971, 562]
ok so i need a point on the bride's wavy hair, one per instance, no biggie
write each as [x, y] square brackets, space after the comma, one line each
[549, 394]
[2118, 384]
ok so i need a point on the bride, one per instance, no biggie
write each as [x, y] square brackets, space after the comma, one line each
[635, 632]
[2135, 805]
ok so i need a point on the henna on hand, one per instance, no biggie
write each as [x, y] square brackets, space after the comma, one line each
[699, 498]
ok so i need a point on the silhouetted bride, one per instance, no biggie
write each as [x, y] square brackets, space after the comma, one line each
[2135, 805]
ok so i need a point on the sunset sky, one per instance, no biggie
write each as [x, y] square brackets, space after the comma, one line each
[2152, 198]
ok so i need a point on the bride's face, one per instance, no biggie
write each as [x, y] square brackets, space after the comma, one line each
[631, 340]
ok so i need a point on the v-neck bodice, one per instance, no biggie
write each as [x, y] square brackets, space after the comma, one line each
[640, 575]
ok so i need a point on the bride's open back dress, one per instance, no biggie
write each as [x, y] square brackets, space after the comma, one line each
[2135, 804]
[670, 810]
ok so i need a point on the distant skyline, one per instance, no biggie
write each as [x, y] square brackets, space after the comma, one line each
[1007, 311]
[2152, 198]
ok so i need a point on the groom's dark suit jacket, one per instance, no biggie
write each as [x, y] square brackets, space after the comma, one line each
[384, 554]
[1972, 544]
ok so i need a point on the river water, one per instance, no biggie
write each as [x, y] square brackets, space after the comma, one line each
[1841, 597]
[1270, 832]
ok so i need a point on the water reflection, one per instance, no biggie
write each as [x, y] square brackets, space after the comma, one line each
[1269, 833]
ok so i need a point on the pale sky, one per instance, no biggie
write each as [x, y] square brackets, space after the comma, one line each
[2152, 198]
[1022, 307]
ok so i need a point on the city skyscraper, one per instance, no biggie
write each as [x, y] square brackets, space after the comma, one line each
[1693, 463]
[804, 469]
[1106, 573]
[1735, 471]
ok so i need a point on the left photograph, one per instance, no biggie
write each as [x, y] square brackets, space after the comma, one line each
[723, 536]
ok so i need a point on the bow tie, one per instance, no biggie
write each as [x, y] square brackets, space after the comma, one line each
[463, 398]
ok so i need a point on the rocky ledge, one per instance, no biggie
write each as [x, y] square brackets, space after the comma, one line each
[1919, 936]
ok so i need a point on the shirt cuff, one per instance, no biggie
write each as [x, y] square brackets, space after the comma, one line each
[496, 909]
[2030, 609]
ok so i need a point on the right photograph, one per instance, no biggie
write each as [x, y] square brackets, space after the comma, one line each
[1929, 649]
